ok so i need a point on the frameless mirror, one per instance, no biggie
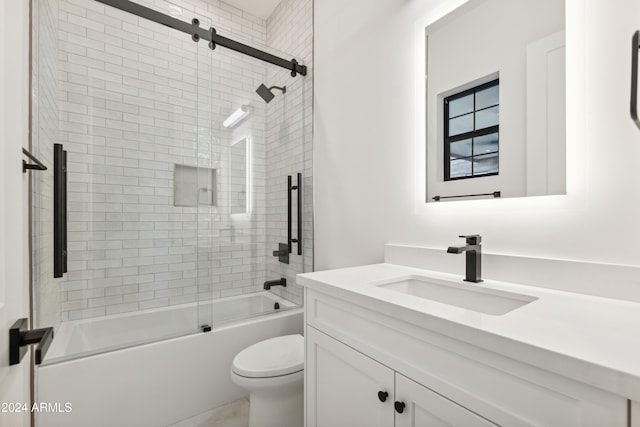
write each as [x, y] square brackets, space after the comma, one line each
[238, 177]
[496, 101]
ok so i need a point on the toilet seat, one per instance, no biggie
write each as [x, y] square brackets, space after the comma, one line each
[271, 358]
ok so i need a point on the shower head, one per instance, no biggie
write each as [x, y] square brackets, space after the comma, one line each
[266, 94]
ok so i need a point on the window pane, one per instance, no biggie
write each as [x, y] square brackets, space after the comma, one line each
[460, 168]
[487, 118]
[461, 125]
[485, 164]
[485, 144]
[460, 106]
[487, 97]
[460, 149]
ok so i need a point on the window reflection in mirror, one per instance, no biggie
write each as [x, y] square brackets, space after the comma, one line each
[471, 129]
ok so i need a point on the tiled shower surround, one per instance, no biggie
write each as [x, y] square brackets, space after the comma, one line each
[136, 99]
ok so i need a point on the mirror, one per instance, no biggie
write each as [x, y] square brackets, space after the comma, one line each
[496, 101]
[239, 177]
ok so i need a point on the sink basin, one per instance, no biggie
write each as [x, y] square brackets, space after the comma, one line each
[470, 297]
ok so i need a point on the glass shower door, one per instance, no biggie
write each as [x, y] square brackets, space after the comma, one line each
[231, 230]
[126, 112]
[250, 144]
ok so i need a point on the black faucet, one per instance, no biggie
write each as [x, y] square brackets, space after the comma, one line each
[473, 251]
[280, 282]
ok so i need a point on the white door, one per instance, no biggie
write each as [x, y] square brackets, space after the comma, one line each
[422, 407]
[342, 386]
[14, 132]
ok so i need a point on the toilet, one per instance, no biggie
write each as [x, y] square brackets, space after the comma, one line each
[272, 372]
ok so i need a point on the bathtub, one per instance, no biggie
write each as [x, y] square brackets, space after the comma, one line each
[123, 371]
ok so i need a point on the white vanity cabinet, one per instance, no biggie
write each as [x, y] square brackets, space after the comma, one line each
[344, 384]
[350, 389]
[424, 407]
[357, 347]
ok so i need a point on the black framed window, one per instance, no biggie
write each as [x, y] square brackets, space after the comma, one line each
[471, 132]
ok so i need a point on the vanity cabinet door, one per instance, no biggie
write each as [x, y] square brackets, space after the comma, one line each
[345, 388]
[635, 414]
[423, 407]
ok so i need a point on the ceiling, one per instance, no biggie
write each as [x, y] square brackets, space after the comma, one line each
[260, 8]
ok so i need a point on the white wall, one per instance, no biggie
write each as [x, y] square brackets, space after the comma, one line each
[366, 156]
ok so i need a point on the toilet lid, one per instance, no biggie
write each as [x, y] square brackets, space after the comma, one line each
[271, 358]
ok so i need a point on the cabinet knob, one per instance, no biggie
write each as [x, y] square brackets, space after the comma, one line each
[399, 407]
[382, 395]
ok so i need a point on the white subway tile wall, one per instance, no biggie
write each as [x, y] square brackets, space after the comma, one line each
[136, 99]
[45, 128]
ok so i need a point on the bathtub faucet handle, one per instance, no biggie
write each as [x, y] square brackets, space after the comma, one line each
[282, 253]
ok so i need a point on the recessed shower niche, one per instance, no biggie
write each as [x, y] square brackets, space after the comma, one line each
[194, 186]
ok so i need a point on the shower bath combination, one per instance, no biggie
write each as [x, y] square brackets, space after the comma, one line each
[266, 94]
[152, 279]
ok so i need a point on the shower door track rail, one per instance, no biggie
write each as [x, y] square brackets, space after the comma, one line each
[210, 35]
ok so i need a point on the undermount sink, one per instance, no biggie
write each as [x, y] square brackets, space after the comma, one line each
[470, 297]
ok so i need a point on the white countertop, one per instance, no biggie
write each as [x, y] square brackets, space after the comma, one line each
[590, 339]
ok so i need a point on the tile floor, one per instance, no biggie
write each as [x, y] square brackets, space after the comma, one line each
[234, 414]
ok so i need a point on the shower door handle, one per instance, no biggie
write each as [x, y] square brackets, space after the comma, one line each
[635, 45]
[20, 337]
[59, 211]
[290, 189]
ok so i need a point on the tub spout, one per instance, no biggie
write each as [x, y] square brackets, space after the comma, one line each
[280, 282]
